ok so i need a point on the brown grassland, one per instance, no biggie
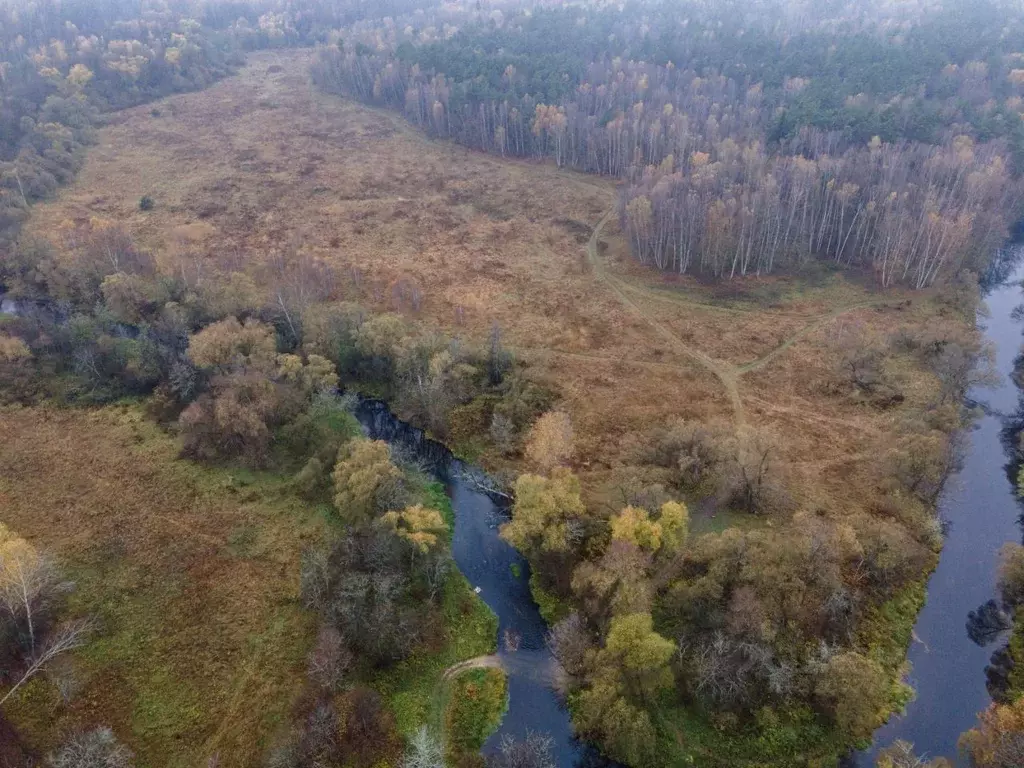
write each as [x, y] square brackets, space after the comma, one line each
[262, 164]
[192, 574]
[201, 618]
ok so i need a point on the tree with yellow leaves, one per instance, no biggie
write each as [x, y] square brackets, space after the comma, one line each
[998, 739]
[79, 76]
[420, 526]
[856, 692]
[634, 663]
[545, 513]
[635, 525]
[13, 350]
[315, 374]
[229, 345]
[366, 482]
[674, 520]
[550, 442]
[640, 652]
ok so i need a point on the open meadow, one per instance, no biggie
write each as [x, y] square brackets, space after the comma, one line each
[192, 575]
[260, 167]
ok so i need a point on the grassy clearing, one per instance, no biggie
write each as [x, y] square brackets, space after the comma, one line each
[476, 703]
[192, 573]
[487, 240]
[261, 163]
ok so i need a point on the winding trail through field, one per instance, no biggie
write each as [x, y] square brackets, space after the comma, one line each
[729, 375]
[723, 371]
[808, 329]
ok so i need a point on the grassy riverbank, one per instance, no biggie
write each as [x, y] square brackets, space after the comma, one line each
[193, 575]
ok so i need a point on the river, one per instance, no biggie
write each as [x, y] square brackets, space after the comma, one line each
[979, 505]
[502, 576]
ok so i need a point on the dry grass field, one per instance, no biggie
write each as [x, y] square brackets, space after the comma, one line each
[262, 164]
[191, 573]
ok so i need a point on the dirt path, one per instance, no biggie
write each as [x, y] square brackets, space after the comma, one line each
[723, 371]
[667, 296]
[729, 375]
[808, 329]
[490, 661]
[649, 364]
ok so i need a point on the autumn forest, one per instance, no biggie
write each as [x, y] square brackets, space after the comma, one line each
[376, 373]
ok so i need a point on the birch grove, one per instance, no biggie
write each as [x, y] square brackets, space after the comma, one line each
[719, 178]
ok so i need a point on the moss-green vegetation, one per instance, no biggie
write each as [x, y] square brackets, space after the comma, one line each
[475, 706]
[413, 686]
[197, 587]
[1015, 687]
[886, 631]
[191, 573]
[551, 607]
[690, 737]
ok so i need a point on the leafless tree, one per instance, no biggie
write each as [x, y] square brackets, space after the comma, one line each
[569, 641]
[314, 577]
[64, 639]
[330, 660]
[424, 751]
[503, 433]
[98, 748]
[29, 584]
[534, 751]
[481, 482]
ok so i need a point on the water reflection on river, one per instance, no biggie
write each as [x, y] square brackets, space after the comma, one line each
[981, 508]
[502, 575]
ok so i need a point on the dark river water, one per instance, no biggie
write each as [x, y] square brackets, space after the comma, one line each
[981, 509]
[502, 576]
[978, 504]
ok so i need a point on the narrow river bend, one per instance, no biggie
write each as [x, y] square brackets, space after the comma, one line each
[502, 576]
[979, 505]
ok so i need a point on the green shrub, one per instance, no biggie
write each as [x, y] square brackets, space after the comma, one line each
[477, 703]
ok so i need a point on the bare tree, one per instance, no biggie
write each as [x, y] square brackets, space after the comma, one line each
[65, 639]
[330, 660]
[29, 584]
[27, 579]
[534, 751]
[569, 642]
[98, 748]
[424, 751]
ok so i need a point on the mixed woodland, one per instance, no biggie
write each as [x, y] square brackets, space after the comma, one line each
[884, 140]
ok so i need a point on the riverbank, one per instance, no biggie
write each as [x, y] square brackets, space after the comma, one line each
[979, 507]
[629, 356]
[193, 575]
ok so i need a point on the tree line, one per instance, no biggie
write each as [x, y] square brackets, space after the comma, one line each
[64, 64]
[731, 166]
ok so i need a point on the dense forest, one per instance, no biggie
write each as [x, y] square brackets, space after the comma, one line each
[752, 137]
[748, 138]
